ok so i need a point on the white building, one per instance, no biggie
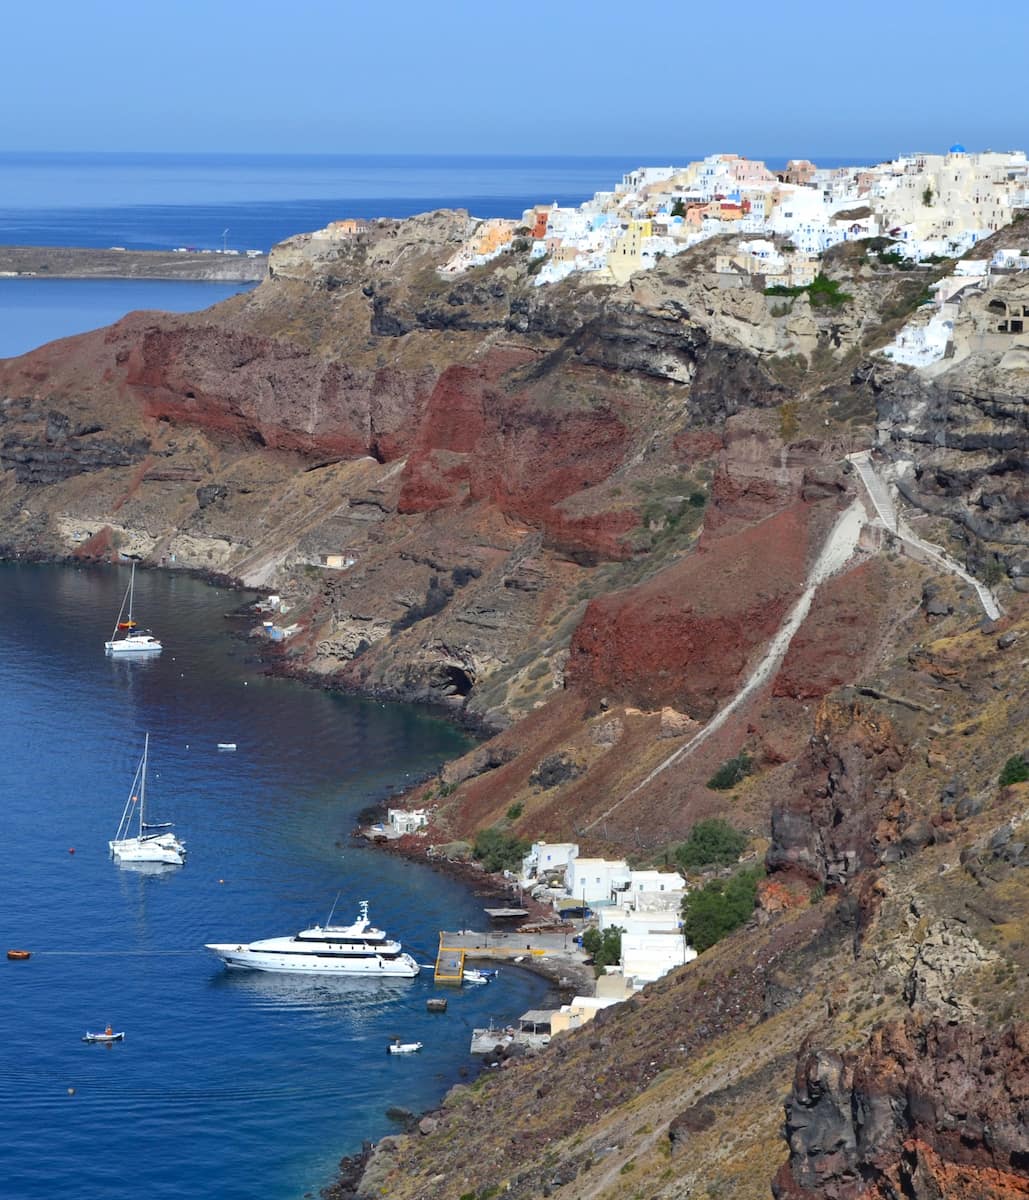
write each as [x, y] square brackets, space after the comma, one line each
[595, 880]
[649, 954]
[546, 856]
[401, 820]
[655, 889]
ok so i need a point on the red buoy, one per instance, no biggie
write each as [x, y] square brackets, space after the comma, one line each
[71, 849]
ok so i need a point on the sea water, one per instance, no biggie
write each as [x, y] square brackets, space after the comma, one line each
[228, 1084]
[34, 311]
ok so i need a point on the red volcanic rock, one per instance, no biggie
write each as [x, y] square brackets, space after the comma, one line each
[277, 393]
[928, 1112]
[481, 441]
[685, 637]
[698, 445]
[836, 636]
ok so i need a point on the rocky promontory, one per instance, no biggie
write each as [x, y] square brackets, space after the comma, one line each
[82, 262]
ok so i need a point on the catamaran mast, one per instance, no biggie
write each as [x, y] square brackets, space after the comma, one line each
[142, 781]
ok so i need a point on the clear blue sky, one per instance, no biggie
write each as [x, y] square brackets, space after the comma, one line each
[558, 77]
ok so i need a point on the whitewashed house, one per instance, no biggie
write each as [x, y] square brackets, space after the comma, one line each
[595, 880]
[649, 954]
[402, 821]
[544, 857]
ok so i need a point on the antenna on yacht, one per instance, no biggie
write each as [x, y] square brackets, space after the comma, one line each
[333, 909]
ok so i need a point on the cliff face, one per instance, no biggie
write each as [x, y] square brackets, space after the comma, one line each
[582, 517]
[922, 1111]
[958, 432]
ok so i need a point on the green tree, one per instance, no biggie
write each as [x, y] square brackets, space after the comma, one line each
[678, 209]
[499, 851]
[927, 197]
[1015, 770]
[605, 948]
[711, 843]
[719, 907]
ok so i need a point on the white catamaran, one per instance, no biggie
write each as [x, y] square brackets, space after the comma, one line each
[126, 638]
[358, 949]
[150, 843]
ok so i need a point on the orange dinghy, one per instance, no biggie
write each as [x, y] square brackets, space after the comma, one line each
[17, 955]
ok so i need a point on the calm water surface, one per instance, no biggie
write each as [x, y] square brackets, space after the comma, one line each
[34, 311]
[228, 1085]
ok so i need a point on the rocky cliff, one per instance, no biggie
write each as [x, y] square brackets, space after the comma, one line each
[587, 519]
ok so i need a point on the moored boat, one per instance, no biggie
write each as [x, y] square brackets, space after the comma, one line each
[357, 949]
[399, 1047]
[478, 975]
[153, 844]
[127, 637]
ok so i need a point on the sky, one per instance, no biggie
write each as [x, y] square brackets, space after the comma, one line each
[564, 77]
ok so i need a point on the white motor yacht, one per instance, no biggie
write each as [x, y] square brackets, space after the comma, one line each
[358, 949]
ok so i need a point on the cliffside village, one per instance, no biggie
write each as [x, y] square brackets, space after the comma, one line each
[928, 205]
[776, 225]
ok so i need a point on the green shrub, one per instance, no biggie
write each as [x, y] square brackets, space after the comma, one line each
[605, 948]
[719, 907]
[825, 291]
[730, 773]
[821, 291]
[1015, 770]
[711, 843]
[499, 851]
[515, 811]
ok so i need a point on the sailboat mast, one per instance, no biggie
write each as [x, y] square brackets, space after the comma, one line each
[142, 783]
[132, 586]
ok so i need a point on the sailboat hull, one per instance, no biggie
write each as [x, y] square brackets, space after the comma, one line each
[135, 644]
[148, 850]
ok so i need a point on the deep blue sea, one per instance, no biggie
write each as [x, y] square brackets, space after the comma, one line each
[228, 1084]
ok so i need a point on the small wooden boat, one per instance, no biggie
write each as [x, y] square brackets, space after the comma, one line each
[399, 1047]
[19, 955]
[104, 1037]
[436, 1004]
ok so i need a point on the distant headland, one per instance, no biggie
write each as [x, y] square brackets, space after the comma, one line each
[69, 262]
